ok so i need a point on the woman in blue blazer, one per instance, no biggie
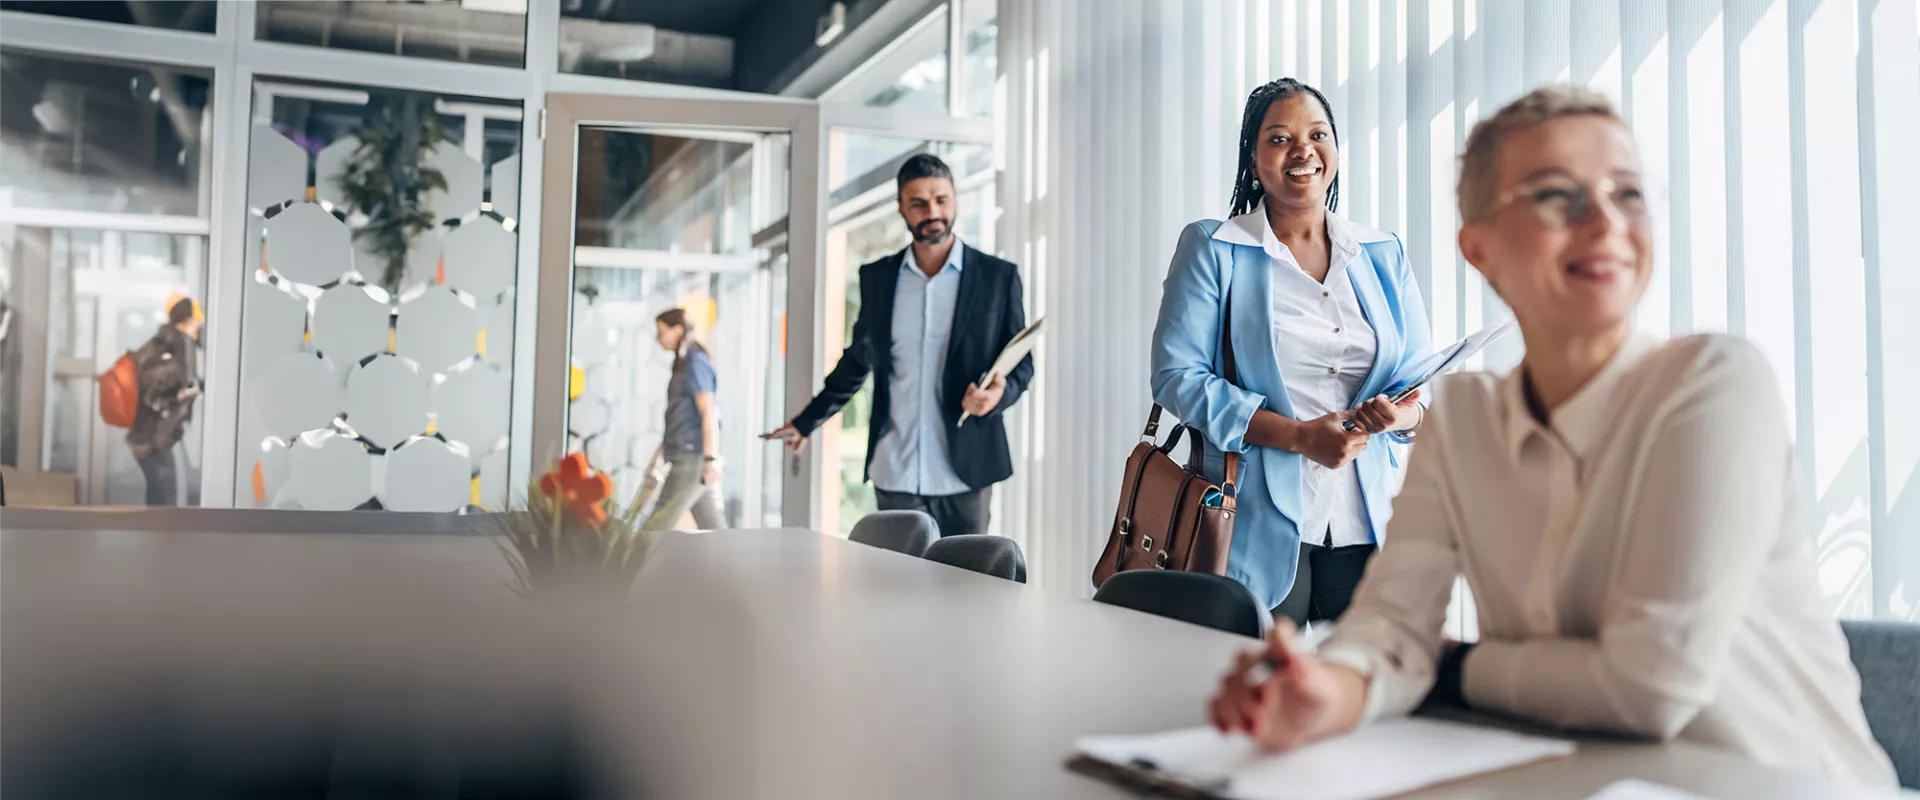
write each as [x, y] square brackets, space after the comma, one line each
[1325, 320]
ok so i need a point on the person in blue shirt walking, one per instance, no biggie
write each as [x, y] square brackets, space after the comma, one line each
[690, 445]
[933, 318]
[1325, 314]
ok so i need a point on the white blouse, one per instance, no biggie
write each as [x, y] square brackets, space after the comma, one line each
[1638, 565]
[1325, 347]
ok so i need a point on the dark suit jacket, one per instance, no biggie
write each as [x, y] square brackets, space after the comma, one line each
[987, 314]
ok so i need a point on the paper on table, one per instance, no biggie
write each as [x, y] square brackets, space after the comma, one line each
[1632, 789]
[1017, 348]
[1378, 760]
[1436, 365]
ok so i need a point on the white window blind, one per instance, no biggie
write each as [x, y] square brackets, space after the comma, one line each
[1780, 131]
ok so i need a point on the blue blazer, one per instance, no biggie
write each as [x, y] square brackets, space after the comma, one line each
[1186, 380]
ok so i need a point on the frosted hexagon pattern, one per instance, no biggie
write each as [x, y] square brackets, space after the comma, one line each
[349, 324]
[463, 182]
[276, 169]
[297, 392]
[330, 473]
[437, 329]
[607, 451]
[427, 475]
[330, 165]
[479, 257]
[473, 407]
[421, 265]
[276, 322]
[590, 345]
[506, 186]
[275, 465]
[308, 245]
[387, 401]
[493, 482]
[588, 416]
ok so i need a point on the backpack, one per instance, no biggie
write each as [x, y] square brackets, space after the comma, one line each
[120, 392]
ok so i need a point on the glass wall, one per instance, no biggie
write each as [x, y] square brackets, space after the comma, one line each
[85, 135]
[198, 16]
[103, 194]
[376, 362]
[910, 75]
[666, 221]
[352, 230]
[472, 31]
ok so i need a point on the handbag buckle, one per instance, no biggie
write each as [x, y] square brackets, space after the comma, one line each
[1160, 561]
[1146, 543]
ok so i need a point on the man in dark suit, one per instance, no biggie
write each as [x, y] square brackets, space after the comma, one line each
[932, 319]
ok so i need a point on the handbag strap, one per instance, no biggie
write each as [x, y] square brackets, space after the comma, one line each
[1229, 366]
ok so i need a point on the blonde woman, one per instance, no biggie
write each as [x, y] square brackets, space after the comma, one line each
[1623, 508]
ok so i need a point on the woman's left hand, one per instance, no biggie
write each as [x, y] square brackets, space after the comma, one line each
[1381, 414]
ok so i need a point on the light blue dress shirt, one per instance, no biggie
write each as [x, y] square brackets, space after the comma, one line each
[912, 456]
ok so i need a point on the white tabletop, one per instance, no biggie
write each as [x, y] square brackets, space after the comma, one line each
[746, 664]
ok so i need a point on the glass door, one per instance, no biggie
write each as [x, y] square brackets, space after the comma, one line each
[703, 214]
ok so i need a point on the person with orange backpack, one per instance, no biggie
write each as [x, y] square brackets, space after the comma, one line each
[167, 370]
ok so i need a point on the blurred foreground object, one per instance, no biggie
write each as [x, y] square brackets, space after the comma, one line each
[572, 534]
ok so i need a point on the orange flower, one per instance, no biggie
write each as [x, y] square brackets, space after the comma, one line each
[572, 482]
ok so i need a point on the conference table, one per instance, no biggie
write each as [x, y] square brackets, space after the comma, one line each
[747, 663]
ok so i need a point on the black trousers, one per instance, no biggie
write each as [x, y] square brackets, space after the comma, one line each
[1323, 584]
[158, 468]
[956, 514]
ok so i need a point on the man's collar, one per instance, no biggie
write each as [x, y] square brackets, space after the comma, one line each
[954, 260]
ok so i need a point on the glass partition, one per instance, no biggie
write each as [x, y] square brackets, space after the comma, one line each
[666, 221]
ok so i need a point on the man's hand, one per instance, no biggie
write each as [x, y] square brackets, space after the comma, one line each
[795, 441]
[980, 402]
[710, 472]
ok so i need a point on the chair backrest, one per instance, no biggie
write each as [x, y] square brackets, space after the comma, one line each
[904, 531]
[1199, 598]
[998, 556]
[1885, 654]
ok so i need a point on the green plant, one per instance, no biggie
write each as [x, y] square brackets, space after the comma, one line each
[388, 179]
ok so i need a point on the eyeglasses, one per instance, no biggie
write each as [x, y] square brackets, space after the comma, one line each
[1563, 203]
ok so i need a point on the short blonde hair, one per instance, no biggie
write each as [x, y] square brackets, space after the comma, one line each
[1480, 163]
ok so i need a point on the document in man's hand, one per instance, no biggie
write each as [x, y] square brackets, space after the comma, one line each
[1017, 348]
[1420, 373]
[1386, 758]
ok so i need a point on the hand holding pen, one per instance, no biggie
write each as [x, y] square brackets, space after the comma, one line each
[1284, 696]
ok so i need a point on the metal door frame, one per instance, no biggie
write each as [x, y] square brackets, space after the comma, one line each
[801, 119]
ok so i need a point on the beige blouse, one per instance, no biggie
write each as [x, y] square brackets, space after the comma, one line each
[1639, 566]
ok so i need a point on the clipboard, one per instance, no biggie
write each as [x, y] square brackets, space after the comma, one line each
[1384, 759]
[1441, 362]
[1019, 347]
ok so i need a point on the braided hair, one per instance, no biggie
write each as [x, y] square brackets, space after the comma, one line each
[1246, 183]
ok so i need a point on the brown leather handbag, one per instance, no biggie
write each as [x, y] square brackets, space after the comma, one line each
[1165, 520]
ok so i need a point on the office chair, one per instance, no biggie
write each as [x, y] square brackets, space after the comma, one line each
[909, 532]
[1885, 654]
[998, 556]
[1198, 598]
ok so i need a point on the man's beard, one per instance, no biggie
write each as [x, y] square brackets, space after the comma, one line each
[923, 235]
